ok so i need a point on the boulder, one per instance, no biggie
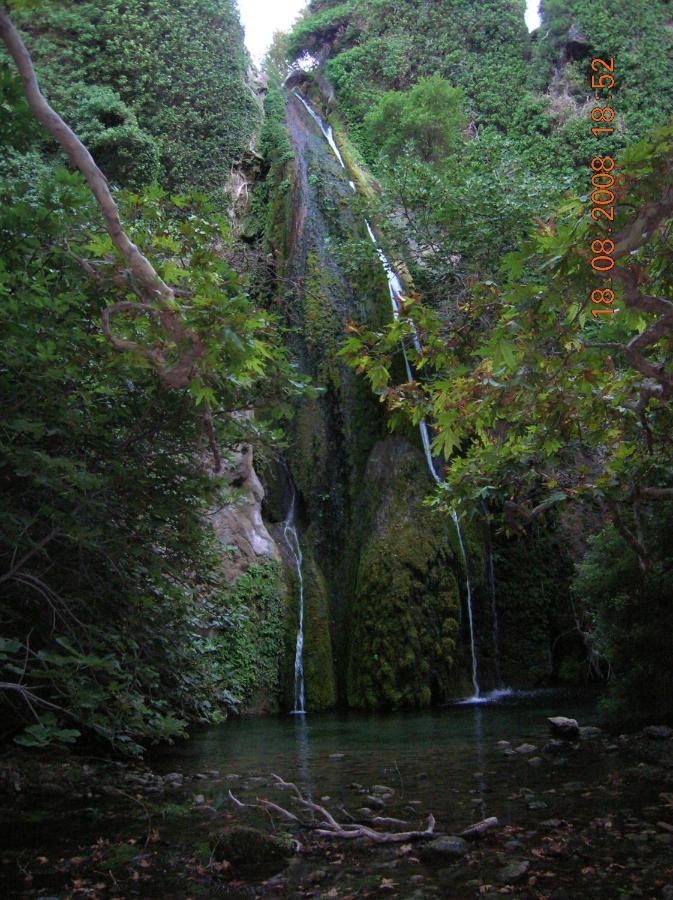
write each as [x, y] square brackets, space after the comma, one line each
[250, 850]
[449, 847]
[658, 732]
[590, 733]
[564, 728]
[513, 872]
[524, 749]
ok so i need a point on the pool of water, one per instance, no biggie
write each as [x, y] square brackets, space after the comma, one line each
[447, 758]
[583, 818]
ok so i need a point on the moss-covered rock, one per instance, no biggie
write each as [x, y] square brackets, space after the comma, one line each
[405, 609]
[319, 675]
[249, 850]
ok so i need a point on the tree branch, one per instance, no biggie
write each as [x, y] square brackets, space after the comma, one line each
[153, 287]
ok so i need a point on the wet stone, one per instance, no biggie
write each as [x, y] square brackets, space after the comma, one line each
[450, 847]
[658, 732]
[563, 727]
[525, 749]
[513, 872]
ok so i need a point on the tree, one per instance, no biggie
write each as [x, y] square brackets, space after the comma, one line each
[427, 119]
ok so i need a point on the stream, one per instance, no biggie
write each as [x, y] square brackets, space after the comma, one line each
[582, 821]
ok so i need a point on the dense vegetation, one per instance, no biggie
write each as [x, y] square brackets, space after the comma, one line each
[111, 578]
[535, 403]
[469, 143]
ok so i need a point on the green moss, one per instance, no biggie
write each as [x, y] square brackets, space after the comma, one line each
[405, 610]
[319, 676]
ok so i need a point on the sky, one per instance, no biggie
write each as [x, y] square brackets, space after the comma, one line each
[532, 14]
[262, 17]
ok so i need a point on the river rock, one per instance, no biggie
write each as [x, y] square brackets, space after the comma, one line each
[503, 745]
[382, 789]
[555, 746]
[658, 732]
[524, 749]
[375, 802]
[250, 850]
[513, 872]
[562, 727]
[590, 733]
[173, 778]
[535, 761]
[450, 847]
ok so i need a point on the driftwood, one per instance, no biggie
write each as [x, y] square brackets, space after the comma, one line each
[323, 822]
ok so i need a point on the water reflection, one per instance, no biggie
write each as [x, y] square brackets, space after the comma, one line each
[304, 779]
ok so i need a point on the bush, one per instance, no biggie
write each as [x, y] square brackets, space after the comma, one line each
[428, 118]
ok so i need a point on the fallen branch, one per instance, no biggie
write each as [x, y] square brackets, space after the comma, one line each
[479, 829]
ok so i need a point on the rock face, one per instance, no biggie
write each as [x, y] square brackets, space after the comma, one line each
[562, 727]
[239, 525]
[405, 605]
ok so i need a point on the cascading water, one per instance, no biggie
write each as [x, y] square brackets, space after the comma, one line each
[292, 540]
[396, 297]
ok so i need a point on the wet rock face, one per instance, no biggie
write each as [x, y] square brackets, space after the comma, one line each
[405, 606]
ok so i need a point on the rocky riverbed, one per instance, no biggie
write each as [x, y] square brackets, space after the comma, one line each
[587, 814]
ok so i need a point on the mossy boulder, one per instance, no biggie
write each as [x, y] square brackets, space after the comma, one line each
[249, 850]
[405, 609]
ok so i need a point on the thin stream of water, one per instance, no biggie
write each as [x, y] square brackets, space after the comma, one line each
[396, 297]
[292, 540]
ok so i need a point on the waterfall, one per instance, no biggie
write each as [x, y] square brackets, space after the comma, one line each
[396, 293]
[292, 540]
[396, 297]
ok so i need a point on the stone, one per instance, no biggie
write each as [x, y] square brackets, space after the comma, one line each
[250, 850]
[375, 802]
[537, 804]
[199, 800]
[556, 746]
[503, 745]
[173, 778]
[382, 789]
[658, 732]
[337, 755]
[590, 733]
[562, 727]
[513, 872]
[524, 749]
[449, 847]
[535, 761]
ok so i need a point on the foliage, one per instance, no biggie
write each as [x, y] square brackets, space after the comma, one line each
[633, 618]
[180, 70]
[104, 574]
[426, 119]
[246, 649]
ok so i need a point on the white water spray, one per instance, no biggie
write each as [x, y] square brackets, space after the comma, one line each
[292, 540]
[396, 299]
